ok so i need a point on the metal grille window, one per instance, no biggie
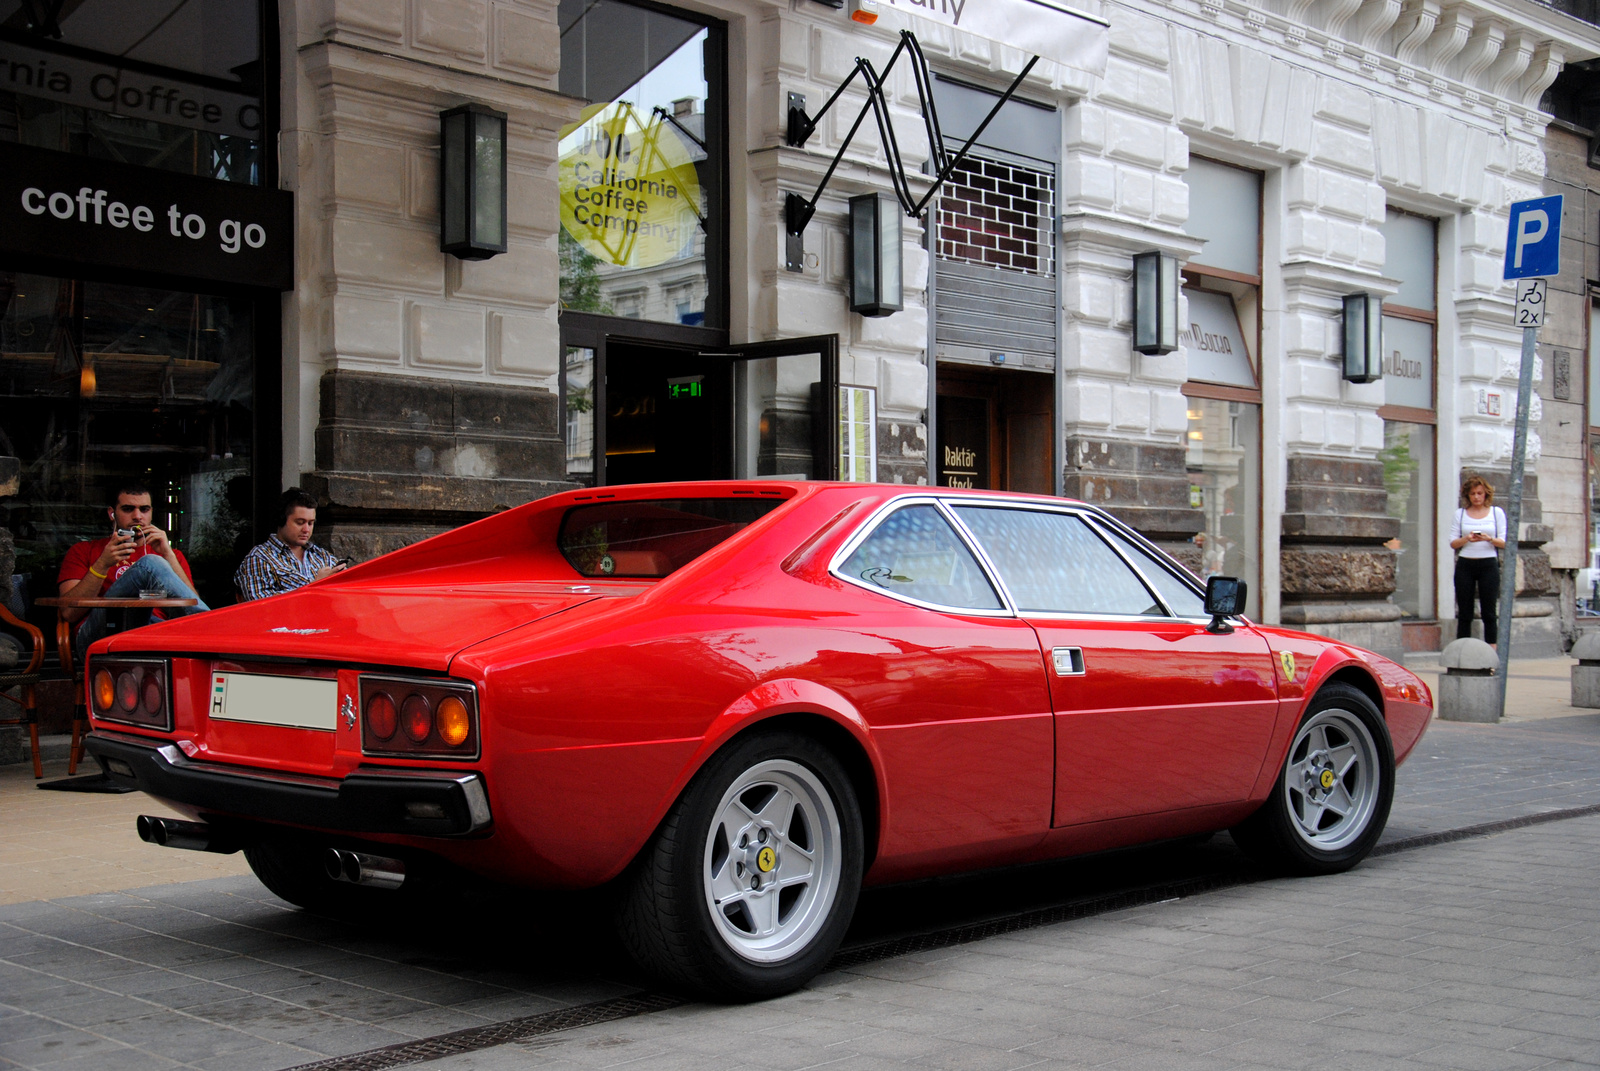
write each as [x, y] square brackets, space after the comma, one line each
[998, 214]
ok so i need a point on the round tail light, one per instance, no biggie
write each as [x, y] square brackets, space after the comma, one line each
[105, 691]
[152, 695]
[127, 691]
[417, 718]
[453, 721]
[381, 717]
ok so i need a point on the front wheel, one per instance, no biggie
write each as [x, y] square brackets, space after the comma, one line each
[751, 881]
[1332, 799]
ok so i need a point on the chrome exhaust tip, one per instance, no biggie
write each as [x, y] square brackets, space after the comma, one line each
[359, 868]
[176, 833]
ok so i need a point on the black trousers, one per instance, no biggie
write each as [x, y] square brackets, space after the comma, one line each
[1480, 578]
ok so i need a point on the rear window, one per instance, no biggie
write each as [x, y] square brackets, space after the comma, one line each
[652, 537]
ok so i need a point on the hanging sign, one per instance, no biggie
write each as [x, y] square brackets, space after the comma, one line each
[1214, 342]
[1065, 37]
[630, 194]
[110, 215]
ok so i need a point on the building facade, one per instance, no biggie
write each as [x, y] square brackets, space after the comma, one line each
[654, 316]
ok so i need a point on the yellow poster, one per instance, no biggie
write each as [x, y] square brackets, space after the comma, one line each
[629, 191]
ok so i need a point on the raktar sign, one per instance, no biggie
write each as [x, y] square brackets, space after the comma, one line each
[101, 214]
[107, 88]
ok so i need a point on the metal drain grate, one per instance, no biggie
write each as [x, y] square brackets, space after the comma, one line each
[606, 1011]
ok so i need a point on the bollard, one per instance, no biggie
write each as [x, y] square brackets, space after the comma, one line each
[1467, 690]
[1586, 674]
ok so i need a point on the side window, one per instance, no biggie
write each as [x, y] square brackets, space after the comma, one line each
[916, 553]
[1184, 600]
[1054, 563]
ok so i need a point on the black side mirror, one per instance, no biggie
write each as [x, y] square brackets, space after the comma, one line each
[1225, 598]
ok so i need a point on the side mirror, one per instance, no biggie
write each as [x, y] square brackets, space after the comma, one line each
[1225, 598]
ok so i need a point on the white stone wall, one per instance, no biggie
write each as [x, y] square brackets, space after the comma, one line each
[364, 82]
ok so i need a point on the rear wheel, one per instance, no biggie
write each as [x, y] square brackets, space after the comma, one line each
[750, 882]
[1332, 799]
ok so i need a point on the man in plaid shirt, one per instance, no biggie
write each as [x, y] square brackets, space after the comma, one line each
[288, 559]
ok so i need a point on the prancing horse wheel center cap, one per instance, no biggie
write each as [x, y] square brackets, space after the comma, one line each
[1326, 780]
[766, 860]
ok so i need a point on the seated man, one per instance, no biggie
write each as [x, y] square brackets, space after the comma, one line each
[135, 557]
[288, 559]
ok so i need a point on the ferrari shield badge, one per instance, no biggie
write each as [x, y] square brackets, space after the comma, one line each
[1286, 659]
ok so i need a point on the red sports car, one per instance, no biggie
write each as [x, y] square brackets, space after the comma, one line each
[741, 702]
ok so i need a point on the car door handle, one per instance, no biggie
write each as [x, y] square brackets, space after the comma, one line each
[1068, 661]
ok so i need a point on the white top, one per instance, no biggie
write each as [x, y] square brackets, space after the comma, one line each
[1464, 524]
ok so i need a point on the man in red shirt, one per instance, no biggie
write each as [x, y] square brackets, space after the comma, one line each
[121, 566]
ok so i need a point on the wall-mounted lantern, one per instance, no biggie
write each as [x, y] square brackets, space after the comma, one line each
[876, 275]
[1155, 302]
[472, 182]
[1363, 338]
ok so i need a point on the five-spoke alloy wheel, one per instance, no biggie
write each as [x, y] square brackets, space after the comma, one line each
[752, 878]
[1332, 798]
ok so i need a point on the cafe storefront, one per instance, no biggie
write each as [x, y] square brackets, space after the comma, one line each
[143, 251]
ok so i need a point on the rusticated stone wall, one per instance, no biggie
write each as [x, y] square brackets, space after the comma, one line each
[1337, 575]
[1143, 484]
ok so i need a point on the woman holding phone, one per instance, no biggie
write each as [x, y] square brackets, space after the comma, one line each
[1477, 533]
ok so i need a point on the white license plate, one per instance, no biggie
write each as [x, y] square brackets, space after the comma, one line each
[297, 702]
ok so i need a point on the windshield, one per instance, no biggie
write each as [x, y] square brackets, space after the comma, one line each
[651, 538]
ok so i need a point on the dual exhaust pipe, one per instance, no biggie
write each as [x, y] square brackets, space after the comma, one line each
[340, 864]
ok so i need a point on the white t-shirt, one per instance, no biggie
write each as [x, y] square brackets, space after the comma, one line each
[1464, 524]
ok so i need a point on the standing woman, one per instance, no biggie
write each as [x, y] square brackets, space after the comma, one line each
[1477, 533]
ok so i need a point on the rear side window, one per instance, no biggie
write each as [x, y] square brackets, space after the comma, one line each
[650, 538]
[1184, 600]
[1054, 563]
[917, 554]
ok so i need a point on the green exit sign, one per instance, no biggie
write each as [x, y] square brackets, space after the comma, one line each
[686, 387]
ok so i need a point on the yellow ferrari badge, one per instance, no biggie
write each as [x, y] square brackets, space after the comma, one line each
[766, 859]
[1327, 779]
[1286, 659]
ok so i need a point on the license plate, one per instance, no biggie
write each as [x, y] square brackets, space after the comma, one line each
[296, 702]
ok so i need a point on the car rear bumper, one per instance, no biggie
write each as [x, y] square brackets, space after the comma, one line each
[435, 803]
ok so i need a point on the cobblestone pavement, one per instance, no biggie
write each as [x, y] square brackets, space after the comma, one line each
[1479, 953]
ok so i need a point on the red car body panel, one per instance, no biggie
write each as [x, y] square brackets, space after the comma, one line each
[599, 699]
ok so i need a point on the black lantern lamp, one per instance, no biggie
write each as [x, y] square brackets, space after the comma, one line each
[1363, 338]
[1155, 302]
[876, 268]
[472, 182]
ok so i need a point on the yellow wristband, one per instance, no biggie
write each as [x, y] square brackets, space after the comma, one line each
[102, 576]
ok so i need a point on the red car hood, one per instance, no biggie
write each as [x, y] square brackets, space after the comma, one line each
[382, 623]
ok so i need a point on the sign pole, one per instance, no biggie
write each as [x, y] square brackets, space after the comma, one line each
[1519, 455]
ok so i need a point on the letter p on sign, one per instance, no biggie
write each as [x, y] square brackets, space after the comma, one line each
[1533, 239]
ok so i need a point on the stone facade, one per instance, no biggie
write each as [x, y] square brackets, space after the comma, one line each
[395, 353]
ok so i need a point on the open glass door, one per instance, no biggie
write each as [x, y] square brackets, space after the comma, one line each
[786, 409]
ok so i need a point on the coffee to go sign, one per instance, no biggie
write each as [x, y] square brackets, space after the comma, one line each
[101, 214]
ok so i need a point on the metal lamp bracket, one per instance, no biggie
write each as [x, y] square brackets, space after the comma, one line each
[797, 210]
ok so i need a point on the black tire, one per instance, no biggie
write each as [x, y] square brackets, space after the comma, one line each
[1300, 829]
[806, 888]
[294, 871]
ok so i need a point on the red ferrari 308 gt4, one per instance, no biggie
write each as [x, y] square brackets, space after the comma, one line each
[740, 702]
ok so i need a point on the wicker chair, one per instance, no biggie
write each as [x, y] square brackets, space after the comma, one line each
[25, 680]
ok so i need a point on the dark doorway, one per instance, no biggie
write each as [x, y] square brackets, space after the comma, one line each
[666, 414]
[994, 429]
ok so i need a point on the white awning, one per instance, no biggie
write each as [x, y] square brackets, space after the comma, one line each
[1054, 33]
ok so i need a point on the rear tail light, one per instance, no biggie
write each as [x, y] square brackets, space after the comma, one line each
[422, 717]
[135, 691]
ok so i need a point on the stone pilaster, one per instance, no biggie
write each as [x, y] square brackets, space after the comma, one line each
[1337, 575]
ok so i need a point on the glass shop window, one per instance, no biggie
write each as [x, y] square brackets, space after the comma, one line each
[641, 170]
[1410, 346]
[175, 86]
[107, 383]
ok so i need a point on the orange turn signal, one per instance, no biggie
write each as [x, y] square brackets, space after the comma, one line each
[452, 721]
[105, 692]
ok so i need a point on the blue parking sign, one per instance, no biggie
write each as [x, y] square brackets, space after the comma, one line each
[1533, 238]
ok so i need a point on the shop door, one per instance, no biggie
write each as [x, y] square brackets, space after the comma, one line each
[993, 430]
[762, 410]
